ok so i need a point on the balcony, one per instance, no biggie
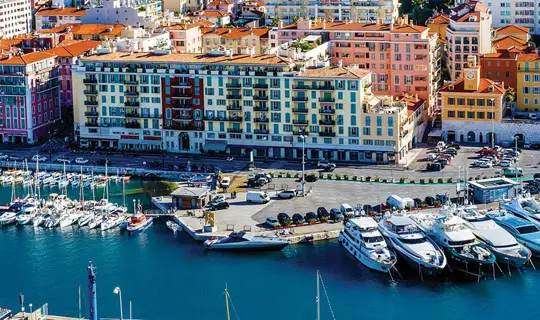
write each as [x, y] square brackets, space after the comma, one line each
[327, 99]
[234, 96]
[327, 111]
[181, 106]
[235, 119]
[299, 98]
[300, 110]
[261, 120]
[261, 131]
[327, 134]
[300, 122]
[183, 96]
[90, 81]
[234, 130]
[260, 86]
[259, 108]
[133, 125]
[300, 133]
[236, 108]
[132, 115]
[151, 116]
[182, 126]
[325, 88]
[91, 114]
[181, 85]
[301, 87]
[233, 85]
[327, 122]
[91, 103]
[91, 124]
[260, 98]
[131, 93]
[132, 104]
[131, 82]
[91, 92]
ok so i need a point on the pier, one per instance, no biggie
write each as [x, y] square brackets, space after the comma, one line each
[38, 315]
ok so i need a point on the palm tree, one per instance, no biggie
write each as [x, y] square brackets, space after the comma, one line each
[510, 94]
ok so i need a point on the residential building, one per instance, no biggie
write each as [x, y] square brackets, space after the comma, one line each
[514, 31]
[469, 33]
[234, 104]
[219, 18]
[501, 67]
[84, 31]
[238, 40]
[528, 83]
[48, 18]
[362, 11]
[187, 37]
[15, 18]
[29, 97]
[175, 6]
[472, 107]
[402, 57]
[140, 13]
[438, 24]
[252, 5]
[220, 5]
[67, 55]
[519, 13]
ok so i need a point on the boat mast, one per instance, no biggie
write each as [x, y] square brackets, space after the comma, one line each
[124, 192]
[106, 181]
[65, 177]
[92, 185]
[318, 298]
[227, 303]
[36, 184]
[80, 311]
[81, 187]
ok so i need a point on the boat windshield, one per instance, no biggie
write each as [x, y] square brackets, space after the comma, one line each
[372, 239]
[477, 218]
[413, 241]
[527, 229]
[461, 243]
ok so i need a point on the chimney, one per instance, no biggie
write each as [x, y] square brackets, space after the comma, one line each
[340, 63]
[280, 24]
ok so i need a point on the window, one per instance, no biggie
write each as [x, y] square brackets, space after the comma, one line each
[461, 114]
[451, 114]
[490, 115]
[461, 101]
[480, 115]
[379, 121]
[390, 132]
[366, 131]
[451, 101]
[368, 120]
[379, 131]
[470, 102]
[470, 114]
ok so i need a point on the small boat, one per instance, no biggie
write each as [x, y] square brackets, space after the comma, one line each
[139, 222]
[418, 250]
[8, 218]
[25, 218]
[85, 220]
[173, 226]
[497, 240]
[112, 221]
[525, 232]
[95, 222]
[362, 239]
[242, 241]
[524, 207]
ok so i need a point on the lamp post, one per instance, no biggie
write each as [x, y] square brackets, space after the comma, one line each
[492, 123]
[303, 165]
[119, 293]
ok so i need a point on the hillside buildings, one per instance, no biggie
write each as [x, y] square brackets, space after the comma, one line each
[15, 18]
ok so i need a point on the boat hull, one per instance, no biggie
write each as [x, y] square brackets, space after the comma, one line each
[468, 266]
[140, 227]
[415, 264]
[512, 260]
[247, 246]
[359, 255]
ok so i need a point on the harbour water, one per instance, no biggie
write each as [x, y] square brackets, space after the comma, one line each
[171, 277]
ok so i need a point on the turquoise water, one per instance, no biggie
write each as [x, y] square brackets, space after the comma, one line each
[171, 277]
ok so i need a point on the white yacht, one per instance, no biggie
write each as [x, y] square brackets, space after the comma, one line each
[25, 218]
[463, 251]
[111, 221]
[242, 241]
[525, 207]
[362, 239]
[497, 240]
[85, 219]
[8, 218]
[412, 244]
[68, 219]
[525, 232]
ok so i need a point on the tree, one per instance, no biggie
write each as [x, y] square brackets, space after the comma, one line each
[274, 22]
[510, 94]
[295, 19]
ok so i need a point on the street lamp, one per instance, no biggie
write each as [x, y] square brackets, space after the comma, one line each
[492, 123]
[119, 293]
[303, 165]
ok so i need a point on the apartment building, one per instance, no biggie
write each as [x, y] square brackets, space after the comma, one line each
[187, 37]
[231, 103]
[468, 34]
[364, 11]
[238, 40]
[139, 13]
[48, 18]
[528, 83]
[29, 97]
[402, 57]
[438, 24]
[472, 107]
[84, 31]
[15, 18]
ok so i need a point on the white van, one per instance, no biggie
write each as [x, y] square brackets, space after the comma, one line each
[257, 197]
[410, 202]
[441, 144]
[396, 201]
[346, 210]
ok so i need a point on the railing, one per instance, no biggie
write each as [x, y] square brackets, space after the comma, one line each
[90, 81]
[234, 107]
[327, 134]
[133, 125]
[181, 106]
[326, 99]
[234, 96]
[233, 85]
[91, 114]
[329, 111]
[132, 115]
[260, 97]
[327, 122]
[132, 104]
[299, 98]
[92, 92]
[131, 93]
[234, 130]
[261, 131]
[261, 120]
[260, 86]
[131, 82]
[297, 121]
[235, 119]
[300, 133]
[301, 87]
[300, 110]
[91, 124]
[258, 108]
[325, 87]
[91, 103]
[182, 85]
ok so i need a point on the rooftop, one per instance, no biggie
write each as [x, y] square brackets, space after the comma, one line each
[74, 48]
[335, 72]
[508, 42]
[236, 32]
[87, 29]
[189, 192]
[352, 26]
[466, 10]
[483, 87]
[27, 58]
[245, 59]
[217, 14]
[441, 18]
[529, 57]
[512, 29]
[74, 12]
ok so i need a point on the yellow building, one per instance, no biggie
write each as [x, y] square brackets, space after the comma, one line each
[239, 40]
[438, 25]
[528, 78]
[471, 106]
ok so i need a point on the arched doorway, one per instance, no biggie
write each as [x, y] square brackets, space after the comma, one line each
[489, 137]
[520, 139]
[183, 141]
[481, 137]
[471, 136]
[461, 137]
[451, 136]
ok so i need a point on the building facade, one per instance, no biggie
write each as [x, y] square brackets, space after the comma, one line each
[15, 18]
[528, 83]
[29, 97]
[238, 40]
[48, 18]
[468, 34]
[236, 104]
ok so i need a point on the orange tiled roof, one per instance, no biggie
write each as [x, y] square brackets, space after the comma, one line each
[27, 58]
[509, 42]
[216, 3]
[413, 102]
[485, 84]
[439, 19]
[512, 29]
[75, 12]
[6, 44]
[234, 33]
[529, 57]
[74, 48]
[191, 25]
[87, 29]
[499, 55]
[218, 14]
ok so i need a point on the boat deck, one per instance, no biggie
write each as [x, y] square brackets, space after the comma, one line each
[38, 315]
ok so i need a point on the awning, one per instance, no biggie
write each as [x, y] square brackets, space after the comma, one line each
[311, 38]
[142, 142]
[435, 133]
[374, 101]
[250, 146]
[215, 145]
[330, 147]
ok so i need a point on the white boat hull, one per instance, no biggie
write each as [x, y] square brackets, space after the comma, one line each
[359, 254]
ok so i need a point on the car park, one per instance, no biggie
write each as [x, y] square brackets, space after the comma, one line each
[336, 215]
[284, 219]
[287, 194]
[298, 219]
[323, 214]
[220, 206]
[272, 222]
[81, 161]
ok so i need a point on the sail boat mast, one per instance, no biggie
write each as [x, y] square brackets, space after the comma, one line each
[227, 303]
[318, 298]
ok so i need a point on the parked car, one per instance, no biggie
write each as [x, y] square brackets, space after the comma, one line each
[217, 199]
[431, 156]
[323, 214]
[311, 218]
[298, 219]
[324, 164]
[220, 206]
[418, 202]
[430, 201]
[63, 160]
[256, 183]
[443, 161]
[39, 158]
[336, 215]
[436, 166]
[453, 145]
[81, 161]
[311, 178]
[484, 164]
[287, 194]
[505, 163]
[272, 222]
[257, 197]
[346, 210]
[367, 208]
[284, 219]
[452, 151]
[225, 182]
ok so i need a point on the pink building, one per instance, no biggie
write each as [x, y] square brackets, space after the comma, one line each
[402, 56]
[187, 37]
[29, 97]
[67, 54]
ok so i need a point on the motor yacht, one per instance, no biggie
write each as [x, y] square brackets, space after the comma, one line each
[525, 232]
[139, 222]
[242, 241]
[8, 218]
[112, 221]
[25, 218]
[525, 207]
[499, 241]
[362, 239]
[418, 250]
